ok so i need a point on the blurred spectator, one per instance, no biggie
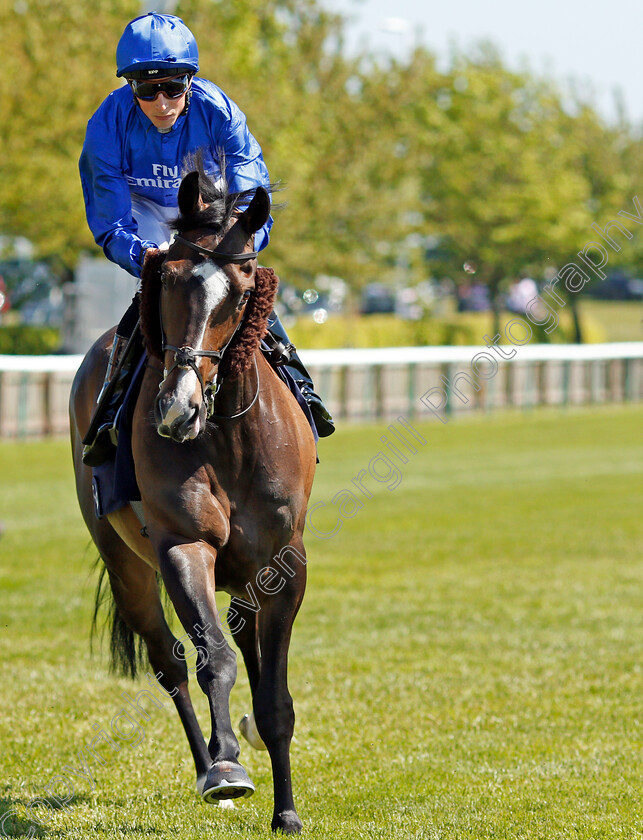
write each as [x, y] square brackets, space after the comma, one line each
[4, 300]
[520, 293]
[473, 297]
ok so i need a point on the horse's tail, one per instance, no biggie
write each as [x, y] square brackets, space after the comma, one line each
[127, 650]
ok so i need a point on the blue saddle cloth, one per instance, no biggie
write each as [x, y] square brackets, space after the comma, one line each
[114, 482]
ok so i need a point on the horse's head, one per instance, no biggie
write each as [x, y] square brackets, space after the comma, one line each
[206, 281]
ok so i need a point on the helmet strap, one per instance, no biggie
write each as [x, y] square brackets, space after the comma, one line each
[188, 97]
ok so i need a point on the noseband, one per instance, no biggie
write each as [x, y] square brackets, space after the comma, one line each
[185, 358]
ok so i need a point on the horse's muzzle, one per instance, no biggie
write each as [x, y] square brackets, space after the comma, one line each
[177, 419]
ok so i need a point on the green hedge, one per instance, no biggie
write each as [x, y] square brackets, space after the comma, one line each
[391, 331]
[379, 331]
[23, 340]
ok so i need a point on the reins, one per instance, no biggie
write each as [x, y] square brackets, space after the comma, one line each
[214, 416]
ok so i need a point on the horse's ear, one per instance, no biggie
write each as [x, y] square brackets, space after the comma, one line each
[189, 195]
[258, 211]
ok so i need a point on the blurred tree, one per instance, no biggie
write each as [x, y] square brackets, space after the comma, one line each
[500, 177]
[328, 129]
[598, 152]
[374, 157]
[611, 157]
[59, 58]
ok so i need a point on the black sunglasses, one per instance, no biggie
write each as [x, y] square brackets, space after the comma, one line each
[148, 91]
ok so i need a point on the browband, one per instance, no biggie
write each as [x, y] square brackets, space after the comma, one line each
[218, 255]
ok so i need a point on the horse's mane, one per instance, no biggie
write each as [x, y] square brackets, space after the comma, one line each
[216, 215]
[219, 202]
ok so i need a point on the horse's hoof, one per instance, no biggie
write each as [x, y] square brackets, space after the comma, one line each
[226, 780]
[249, 730]
[287, 822]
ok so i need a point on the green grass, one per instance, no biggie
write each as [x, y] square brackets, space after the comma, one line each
[467, 662]
[621, 320]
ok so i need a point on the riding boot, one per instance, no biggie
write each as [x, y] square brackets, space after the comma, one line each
[100, 445]
[285, 353]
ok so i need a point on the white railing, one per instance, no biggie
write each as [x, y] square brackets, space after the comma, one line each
[379, 384]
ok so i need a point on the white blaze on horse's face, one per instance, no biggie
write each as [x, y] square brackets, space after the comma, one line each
[216, 282]
[215, 288]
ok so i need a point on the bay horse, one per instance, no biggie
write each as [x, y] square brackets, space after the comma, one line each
[224, 459]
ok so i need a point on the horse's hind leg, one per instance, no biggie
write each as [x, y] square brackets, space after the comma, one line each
[135, 591]
[273, 706]
[246, 637]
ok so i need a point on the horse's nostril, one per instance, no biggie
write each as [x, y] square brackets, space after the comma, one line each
[175, 419]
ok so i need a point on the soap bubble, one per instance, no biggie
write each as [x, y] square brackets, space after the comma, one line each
[320, 316]
[310, 296]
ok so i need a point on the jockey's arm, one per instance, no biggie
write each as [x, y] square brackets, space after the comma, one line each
[245, 166]
[108, 203]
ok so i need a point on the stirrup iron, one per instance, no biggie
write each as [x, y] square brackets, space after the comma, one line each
[279, 352]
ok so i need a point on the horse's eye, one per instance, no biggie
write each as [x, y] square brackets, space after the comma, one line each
[244, 299]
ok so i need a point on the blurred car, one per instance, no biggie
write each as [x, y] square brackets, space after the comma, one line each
[617, 286]
[32, 289]
[377, 299]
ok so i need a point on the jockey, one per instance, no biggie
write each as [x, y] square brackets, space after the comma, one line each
[130, 169]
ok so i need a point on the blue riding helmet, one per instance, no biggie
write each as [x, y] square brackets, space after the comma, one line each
[155, 45]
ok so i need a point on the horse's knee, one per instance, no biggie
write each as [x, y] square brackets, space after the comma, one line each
[216, 663]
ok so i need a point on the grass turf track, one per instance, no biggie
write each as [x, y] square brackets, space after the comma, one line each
[467, 662]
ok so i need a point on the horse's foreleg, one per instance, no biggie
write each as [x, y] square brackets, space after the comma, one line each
[273, 706]
[188, 573]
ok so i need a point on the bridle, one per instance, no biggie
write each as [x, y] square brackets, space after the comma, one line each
[226, 258]
[185, 358]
